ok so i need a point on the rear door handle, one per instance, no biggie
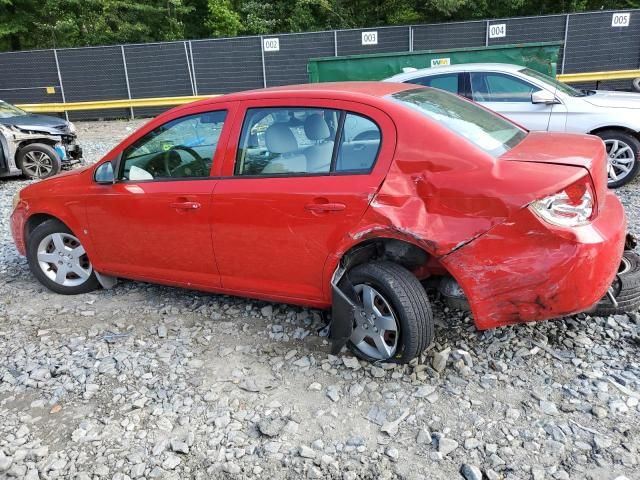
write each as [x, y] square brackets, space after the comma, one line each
[185, 205]
[325, 207]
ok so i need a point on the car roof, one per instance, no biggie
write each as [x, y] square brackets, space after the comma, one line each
[462, 67]
[354, 91]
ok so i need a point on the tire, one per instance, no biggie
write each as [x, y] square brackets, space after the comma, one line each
[626, 288]
[624, 164]
[400, 297]
[52, 246]
[38, 161]
[636, 84]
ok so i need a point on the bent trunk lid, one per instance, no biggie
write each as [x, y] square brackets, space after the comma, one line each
[586, 151]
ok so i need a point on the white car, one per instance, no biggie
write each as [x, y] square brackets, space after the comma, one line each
[539, 102]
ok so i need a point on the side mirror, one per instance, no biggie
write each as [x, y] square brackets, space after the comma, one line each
[104, 174]
[545, 97]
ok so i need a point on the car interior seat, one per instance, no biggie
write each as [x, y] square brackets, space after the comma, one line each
[318, 155]
[281, 141]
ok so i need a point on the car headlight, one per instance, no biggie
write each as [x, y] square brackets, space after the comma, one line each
[16, 200]
[572, 207]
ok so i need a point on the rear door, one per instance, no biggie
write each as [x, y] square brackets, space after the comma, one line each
[511, 96]
[298, 177]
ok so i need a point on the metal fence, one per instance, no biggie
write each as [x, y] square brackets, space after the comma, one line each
[595, 41]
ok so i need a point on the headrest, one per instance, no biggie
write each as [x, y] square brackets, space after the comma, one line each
[316, 128]
[280, 139]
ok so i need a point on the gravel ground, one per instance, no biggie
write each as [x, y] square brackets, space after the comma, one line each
[144, 381]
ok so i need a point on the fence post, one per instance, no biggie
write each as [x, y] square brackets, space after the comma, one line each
[566, 37]
[194, 85]
[64, 100]
[264, 70]
[411, 38]
[126, 77]
[335, 43]
[186, 56]
[486, 33]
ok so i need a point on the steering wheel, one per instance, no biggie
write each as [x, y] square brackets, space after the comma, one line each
[169, 157]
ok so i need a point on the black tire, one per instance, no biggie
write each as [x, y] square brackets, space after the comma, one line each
[38, 234]
[410, 304]
[636, 84]
[633, 143]
[48, 155]
[626, 288]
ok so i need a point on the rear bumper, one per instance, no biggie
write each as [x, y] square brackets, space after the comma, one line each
[526, 270]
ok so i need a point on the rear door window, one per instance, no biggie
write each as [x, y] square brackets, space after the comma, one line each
[284, 141]
[447, 82]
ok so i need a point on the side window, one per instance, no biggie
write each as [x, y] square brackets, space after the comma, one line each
[359, 144]
[448, 82]
[498, 87]
[181, 148]
[287, 141]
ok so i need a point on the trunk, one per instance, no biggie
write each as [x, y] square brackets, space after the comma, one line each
[585, 151]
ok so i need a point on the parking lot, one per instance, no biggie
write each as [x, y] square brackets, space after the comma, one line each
[157, 382]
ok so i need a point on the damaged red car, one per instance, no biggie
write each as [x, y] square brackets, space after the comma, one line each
[350, 197]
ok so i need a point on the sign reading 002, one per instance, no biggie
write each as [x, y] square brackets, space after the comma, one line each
[271, 44]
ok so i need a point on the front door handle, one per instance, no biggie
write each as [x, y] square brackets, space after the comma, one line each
[325, 207]
[185, 205]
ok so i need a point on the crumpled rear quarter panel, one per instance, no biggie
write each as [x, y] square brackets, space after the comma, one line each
[525, 270]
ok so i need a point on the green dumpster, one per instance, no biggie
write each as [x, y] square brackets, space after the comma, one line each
[542, 56]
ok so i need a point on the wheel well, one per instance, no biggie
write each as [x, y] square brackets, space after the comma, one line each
[621, 129]
[34, 220]
[401, 252]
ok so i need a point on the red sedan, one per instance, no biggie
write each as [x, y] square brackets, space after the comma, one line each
[342, 196]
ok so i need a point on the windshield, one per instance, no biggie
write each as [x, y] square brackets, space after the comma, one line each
[7, 110]
[553, 83]
[491, 133]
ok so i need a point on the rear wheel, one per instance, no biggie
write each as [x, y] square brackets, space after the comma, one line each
[397, 324]
[38, 161]
[625, 288]
[623, 150]
[58, 260]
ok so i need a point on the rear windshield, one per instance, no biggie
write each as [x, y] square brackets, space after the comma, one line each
[488, 131]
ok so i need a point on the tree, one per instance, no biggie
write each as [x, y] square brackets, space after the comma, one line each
[223, 20]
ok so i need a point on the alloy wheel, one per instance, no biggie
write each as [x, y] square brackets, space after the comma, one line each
[375, 333]
[63, 259]
[37, 164]
[621, 159]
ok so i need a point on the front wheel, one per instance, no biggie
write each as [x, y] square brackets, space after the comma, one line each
[58, 260]
[38, 161]
[397, 323]
[623, 150]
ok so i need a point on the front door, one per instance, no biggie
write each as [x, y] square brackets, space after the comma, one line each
[153, 223]
[301, 177]
[511, 97]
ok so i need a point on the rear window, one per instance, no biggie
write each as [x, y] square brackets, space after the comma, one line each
[487, 131]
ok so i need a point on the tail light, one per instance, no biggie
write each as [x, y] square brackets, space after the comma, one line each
[573, 206]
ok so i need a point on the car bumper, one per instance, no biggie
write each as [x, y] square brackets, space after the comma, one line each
[527, 270]
[17, 224]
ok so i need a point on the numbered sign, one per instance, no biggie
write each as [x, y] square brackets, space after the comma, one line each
[620, 19]
[498, 30]
[271, 45]
[370, 38]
